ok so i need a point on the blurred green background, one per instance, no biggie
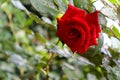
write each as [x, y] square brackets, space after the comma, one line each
[30, 49]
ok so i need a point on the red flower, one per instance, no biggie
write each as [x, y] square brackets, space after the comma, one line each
[78, 29]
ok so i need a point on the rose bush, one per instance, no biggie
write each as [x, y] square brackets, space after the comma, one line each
[78, 29]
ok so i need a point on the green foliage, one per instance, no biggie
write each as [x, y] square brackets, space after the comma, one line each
[45, 7]
[100, 43]
[84, 4]
[116, 32]
[30, 49]
[117, 2]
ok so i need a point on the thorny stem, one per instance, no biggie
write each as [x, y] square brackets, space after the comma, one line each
[47, 71]
[11, 25]
[47, 65]
[52, 56]
[113, 33]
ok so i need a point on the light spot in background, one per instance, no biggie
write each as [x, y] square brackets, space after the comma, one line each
[111, 22]
[107, 40]
[98, 4]
[115, 43]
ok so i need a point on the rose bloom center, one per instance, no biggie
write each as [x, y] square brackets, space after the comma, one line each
[73, 33]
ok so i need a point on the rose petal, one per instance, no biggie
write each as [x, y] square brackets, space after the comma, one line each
[73, 11]
[79, 49]
[78, 41]
[93, 37]
[92, 19]
[77, 21]
[64, 36]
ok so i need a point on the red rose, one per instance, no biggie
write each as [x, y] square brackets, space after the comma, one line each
[78, 29]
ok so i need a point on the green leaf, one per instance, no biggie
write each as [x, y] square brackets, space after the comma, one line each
[7, 8]
[65, 1]
[3, 19]
[28, 22]
[70, 72]
[112, 72]
[100, 43]
[84, 4]
[102, 19]
[77, 3]
[40, 38]
[117, 2]
[107, 30]
[45, 7]
[38, 20]
[18, 4]
[116, 32]
[113, 1]
[109, 12]
[61, 5]
[35, 18]
[118, 13]
[19, 18]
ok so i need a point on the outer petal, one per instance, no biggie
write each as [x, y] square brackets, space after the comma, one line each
[73, 11]
[92, 19]
[93, 36]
